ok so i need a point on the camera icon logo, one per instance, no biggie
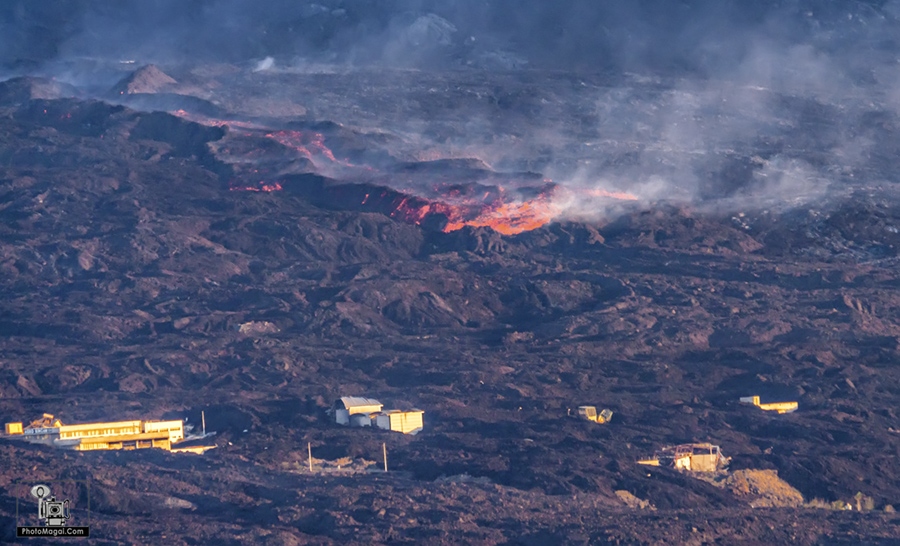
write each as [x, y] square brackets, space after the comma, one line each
[53, 512]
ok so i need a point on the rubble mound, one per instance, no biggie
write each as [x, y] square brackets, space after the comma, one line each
[770, 490]
[147, 79]
[344, 465]
[19, 90]
[633, 502]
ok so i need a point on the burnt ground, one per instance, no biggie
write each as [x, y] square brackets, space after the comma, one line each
[137, 284]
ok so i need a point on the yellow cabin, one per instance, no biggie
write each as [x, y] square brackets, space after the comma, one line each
[14, 428]
[407, 422]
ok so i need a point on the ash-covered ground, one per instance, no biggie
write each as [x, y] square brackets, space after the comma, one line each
[495, 242]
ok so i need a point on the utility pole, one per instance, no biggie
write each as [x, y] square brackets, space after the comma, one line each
[309, 451]
[203, 419]
[384, 451]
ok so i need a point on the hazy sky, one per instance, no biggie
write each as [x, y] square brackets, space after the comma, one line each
[695, 35]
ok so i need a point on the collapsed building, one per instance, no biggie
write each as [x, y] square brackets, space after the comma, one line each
[357, 411]
[690, 457]
[780, 407]
[127, 435]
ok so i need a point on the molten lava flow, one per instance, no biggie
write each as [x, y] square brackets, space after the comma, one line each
[310, 145]
[510, 218]
[307, 145]
[212, 122]
[513, 217]
[261, 186]
[482, 204]
[466, 206]
[614, 194]
[417, 215]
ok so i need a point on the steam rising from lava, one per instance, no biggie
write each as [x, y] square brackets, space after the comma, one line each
[508, 217]
[516, 217]
[507, 211]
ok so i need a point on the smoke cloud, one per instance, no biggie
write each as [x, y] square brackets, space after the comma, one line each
[719, 103]
[701, 37]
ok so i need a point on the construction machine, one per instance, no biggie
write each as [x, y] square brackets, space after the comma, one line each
[590, 413]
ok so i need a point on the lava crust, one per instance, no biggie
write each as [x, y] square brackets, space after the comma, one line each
[141, 278]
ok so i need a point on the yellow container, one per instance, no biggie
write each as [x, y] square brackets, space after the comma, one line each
[14, 428]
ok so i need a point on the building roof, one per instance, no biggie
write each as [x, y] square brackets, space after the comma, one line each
[92, 426]
[356, 401]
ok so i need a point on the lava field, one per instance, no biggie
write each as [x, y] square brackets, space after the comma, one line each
[254, 243]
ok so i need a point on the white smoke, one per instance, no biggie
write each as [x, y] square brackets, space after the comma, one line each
[266, 64]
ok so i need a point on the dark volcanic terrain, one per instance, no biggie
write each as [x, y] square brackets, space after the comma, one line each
[191, 245]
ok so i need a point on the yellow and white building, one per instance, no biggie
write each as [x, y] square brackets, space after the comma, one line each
[135, 434]
[357, 411]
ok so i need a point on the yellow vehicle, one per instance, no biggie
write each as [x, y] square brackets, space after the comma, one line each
[590, 413]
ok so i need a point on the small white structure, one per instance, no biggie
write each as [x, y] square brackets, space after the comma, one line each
[355, 411]
[407, 422]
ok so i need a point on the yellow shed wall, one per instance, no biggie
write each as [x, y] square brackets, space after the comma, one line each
[406, 422]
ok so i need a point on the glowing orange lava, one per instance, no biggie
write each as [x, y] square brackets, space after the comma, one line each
[307, 144]
[262, 186]
[614, 194]
[310, 145]
[504, 212]
[212, 122]
[511, 218]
